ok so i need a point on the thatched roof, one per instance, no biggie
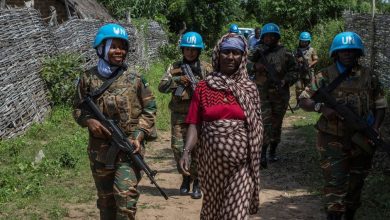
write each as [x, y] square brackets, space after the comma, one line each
[87, 9]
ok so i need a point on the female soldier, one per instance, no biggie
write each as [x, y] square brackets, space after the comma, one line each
[178, 81]
[225, 114]
[129, 101]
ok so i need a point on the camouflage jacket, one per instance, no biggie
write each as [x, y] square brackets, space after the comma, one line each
[309, 54]
[283, 62]
[171, 81]
[128, 100]
[362, 91]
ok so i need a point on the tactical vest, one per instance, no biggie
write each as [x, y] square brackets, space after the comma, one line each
[181, 104]
[356, 92]
[120, 101]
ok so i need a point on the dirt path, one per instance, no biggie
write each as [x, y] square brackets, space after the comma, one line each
[283, 193]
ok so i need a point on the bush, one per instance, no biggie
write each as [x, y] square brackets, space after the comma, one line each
[323, 34]
[169, 52]
[60, 74]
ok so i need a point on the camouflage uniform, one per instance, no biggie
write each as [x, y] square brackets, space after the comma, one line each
[179, 107]
[130, 102]
[274, 103]
[345, 160]
[305, 74]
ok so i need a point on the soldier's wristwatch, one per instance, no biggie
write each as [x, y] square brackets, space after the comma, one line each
[317, 106]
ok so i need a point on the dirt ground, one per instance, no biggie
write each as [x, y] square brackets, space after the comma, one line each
[282, 196]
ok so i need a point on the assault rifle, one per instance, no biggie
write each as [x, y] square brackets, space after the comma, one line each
[270, 70]
[121, 142]
[186, 69]
[322, 95]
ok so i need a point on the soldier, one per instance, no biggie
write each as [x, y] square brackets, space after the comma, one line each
[345, 159]
[129, 101]
[307, 58]
[177, 82]
[254, 40]
[273, 89]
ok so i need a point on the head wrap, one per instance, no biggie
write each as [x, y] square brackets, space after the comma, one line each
[233, 43]
[105, 69]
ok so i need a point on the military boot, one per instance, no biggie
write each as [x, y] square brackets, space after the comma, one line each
[349, 214]
[263, 157]
[196, 193]
[272, 152]
[107, 214]
[185, 185]
[334, 216]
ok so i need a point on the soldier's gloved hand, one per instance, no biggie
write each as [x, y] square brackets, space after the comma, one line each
[330, 114]
[300, 59]
[184, 80]
[97, 129]
[185, 163]
[259, 67]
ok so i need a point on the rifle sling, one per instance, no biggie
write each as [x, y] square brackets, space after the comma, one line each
[336, 82]
[107, 83]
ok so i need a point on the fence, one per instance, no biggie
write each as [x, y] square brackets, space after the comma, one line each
[25, 40]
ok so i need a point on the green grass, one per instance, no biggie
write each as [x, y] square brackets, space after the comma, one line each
[37, 190]
[153, 76]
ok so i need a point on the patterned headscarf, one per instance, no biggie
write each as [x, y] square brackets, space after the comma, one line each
[247, 95]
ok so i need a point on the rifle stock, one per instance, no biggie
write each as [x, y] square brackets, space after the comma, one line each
[121, 142]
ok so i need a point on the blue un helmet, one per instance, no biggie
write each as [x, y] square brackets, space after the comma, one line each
[191, 39]
[110, 31]
[270, 28]
[233, 28]
[305, 36]
[345, 41]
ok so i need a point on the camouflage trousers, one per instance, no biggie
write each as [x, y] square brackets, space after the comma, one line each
[300, 87]
[273, 108]
[344, 166]
[116, 188]
[179, 131]
[302, 82]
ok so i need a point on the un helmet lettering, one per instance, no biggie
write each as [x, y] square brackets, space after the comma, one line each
[119, 31]
[191, 40]
[347, 40]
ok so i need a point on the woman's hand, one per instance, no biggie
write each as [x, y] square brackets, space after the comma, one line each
[185, 163]
[137, 145]
[185, 80]
[97, 129]
[137, 142]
